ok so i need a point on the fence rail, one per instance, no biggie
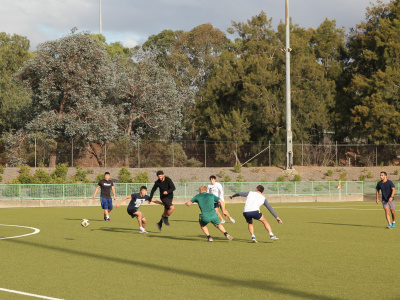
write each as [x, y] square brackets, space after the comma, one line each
[187, 189]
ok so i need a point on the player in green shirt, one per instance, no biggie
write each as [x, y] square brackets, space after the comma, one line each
[208, 215]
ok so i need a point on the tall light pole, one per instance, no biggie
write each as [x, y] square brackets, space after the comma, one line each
[101, 30]
[289, 141]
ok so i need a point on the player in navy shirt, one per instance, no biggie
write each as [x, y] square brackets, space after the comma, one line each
[133, 207]
[106, 185]
[388, 190]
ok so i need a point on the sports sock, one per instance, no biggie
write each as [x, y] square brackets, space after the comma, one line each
[208, 236]
[226, 233]
[271, 234]
[253, 236]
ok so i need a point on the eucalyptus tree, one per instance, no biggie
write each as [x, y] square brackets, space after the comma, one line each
[70, 79]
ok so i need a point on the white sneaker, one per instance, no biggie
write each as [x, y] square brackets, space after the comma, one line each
[142, 231]
[273, 237]
[232, 220]
[222, 221]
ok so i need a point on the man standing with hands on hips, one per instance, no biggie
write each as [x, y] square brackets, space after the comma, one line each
[388, 190]
[167, 189]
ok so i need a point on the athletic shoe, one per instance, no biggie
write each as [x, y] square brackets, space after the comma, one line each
[165, 220]
[389, 226]
[229, 237]
[142, 231]
[394, 225]
[254, 239]
[209, 239]
[159, 225]
[232, 220]
[273, 237]
[105, 218]
[108, 219]
[222, 221]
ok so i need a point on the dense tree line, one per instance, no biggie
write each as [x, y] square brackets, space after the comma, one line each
[200, 84]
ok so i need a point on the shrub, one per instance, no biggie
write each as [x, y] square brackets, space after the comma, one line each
[89, 171]
[369, 175]
[142, 177]
[343, 176]
[193, 163]
[2, 169]
[361, 177]
[222, 173]
[80, 174]
[124, 176]
[240, 178]
[255, 170]
[237, 168]
[280, 179]
[99, 177]
[227, 178]
[396, 172]
[329, 173]
[41, 176]
[297, 177]
[61, 171]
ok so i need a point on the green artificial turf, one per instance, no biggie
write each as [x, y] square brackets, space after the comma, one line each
[324, 251]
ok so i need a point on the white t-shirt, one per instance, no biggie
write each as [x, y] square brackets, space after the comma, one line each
[253, 202]
[216, 189]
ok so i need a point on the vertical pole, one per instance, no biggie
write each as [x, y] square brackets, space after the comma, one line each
[105, 155]
[302, 153]
[289, 144]
[236, 153]
[173, 155]
[100, 23]
[205, 154]
[269, 153]
[35, 152]
[72, 153]
[337, 162]
[138, 152]
[376, 156]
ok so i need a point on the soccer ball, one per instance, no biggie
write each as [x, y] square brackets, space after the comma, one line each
[85, 223]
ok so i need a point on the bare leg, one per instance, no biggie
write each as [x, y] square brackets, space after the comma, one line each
[168, 212]
[219, 215]
[205, 230]
[251, 227]
[266, 224]
[393, 215]
[387, 215]
[221, 228]
[139, 218]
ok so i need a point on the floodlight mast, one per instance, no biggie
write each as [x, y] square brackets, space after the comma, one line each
[289, 141]
[100, 25]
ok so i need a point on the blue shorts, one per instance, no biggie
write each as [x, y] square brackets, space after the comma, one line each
[106, 203]
[250, 215]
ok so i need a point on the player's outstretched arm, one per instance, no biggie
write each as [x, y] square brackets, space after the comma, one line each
[279, 220]
[127, 197]
[188, 203]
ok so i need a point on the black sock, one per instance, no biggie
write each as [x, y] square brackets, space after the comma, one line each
[208, 236]
[225, 233]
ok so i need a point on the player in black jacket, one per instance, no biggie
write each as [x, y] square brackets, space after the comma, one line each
[167, 189]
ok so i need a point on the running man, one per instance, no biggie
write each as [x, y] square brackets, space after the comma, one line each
[388, 190]
[215, 188]
[106, 185]
[208, 214]
[167, 189]
[133, 207]
[252, 211]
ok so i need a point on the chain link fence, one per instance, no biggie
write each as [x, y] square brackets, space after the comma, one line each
[187, 189]
[145, 154]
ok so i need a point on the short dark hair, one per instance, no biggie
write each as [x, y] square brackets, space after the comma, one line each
[213, 177]
[143, 188]
[260, 188]
[160, 173]
[107, 173]
[383, 172]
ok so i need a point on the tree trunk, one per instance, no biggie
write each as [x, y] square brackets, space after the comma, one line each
[95, 154]
[53, 157]
[126, 160]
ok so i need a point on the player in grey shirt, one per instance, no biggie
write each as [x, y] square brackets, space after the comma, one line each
[251, 210]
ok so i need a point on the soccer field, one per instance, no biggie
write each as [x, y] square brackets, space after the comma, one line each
[324, 251]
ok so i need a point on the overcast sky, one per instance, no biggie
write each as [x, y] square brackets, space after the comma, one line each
[133, 21]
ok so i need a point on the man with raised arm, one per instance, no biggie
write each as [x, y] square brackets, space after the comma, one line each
[252, 211]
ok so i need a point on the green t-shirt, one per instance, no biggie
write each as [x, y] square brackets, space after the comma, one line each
[206, 202]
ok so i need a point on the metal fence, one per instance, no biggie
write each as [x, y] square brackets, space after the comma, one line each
[188, 153]
[187, 189]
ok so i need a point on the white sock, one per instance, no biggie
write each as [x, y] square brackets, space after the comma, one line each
[141, 228]
[271, 234]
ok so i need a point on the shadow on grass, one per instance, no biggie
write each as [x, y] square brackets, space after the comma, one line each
[116, 229]
[186, 221]
[228, 282]
[91, 220]
[345, 224]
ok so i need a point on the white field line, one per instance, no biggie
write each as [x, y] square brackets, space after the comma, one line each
[28, 294]
[35, 231]
[328, 207]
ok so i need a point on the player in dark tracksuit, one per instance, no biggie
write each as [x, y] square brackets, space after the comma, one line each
[167, 189]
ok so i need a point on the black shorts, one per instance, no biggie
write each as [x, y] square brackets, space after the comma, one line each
[131, 212]
[250, 215]
[167, 202]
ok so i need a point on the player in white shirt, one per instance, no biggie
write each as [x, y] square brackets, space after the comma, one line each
[252, 211]
[215, 188]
